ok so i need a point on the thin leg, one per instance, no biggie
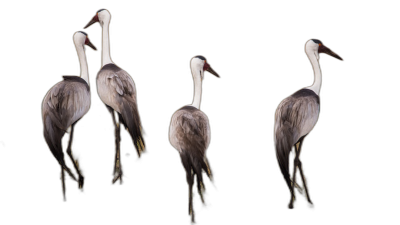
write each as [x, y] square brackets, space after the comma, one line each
[61, 161]
[301, 171]
[54, 141]
[117, 170]
[75, 162]
[63, 182]
[296, 160]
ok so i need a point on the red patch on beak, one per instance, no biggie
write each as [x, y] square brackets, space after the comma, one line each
[206, 66]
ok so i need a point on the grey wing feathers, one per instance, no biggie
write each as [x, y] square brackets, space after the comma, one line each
[122, 83]
[66, 102]
[190, 130]
[295, 117]
[113, 83]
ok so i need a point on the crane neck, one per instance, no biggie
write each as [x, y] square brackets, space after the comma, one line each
[197, 89]
[105, 51]
[314, 59]
[83, 63]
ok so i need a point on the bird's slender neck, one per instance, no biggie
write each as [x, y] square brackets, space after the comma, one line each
[105, 51]
[316, 86]
[82, 61]
[197, 88]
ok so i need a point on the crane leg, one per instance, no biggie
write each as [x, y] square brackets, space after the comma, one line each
[63, 169]
[117, 163]
[75, 162]
[54, 141]
[298, 150]
[293, 184]
[63, 182]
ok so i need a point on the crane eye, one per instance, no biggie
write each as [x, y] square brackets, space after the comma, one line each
[319, 44]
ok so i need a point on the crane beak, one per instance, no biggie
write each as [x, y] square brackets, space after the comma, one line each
[94, 20]
[323, 49]
[208, 68]
[88, 43]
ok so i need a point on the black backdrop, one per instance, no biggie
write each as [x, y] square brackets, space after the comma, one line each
[259, 53]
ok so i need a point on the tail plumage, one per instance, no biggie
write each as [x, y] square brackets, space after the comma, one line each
[53, 134]
[283, 146]
[194, 164]
[131, 120]
[284, 142]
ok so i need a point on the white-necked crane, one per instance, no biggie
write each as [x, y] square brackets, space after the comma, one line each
[64, 105]
[189, 132]
[296, 116]
[118, 92]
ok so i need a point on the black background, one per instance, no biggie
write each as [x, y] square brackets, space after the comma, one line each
[259, 53]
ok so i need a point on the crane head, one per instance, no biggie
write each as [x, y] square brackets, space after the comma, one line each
[102, 17]
[316, 46]
[82, 38]
[201, 62]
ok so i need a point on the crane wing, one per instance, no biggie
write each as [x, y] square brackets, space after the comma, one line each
[64, 104]
[114, 83]
[190, 130]
[295, 117]
[117, 90]
[67, 101]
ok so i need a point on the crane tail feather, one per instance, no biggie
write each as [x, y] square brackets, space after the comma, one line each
[131, 120]
[194, 166]
[53, 135]
[283, 146]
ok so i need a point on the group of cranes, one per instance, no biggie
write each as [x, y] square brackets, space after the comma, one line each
[189, 133]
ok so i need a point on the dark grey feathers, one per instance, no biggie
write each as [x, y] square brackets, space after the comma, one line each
[200, 57]
[316, 41]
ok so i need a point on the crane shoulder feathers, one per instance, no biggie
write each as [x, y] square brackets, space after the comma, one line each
[78, 80]
[190, 130]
